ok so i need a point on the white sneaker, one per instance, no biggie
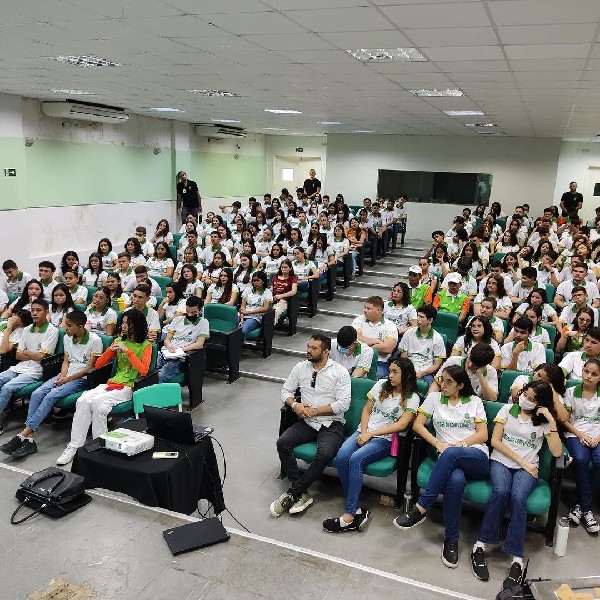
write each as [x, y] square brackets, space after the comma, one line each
[67, 456]
[590, 523]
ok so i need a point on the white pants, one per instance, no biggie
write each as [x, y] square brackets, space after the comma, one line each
[92, 409]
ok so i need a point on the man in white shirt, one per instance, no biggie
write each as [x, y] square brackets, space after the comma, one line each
[15, 280]
[38, 341]
[207, 255]
[325, 397]
[353, 355]
[139, 300]
[565, 289]
[82, 348]
[401, 217]
[187, 333]
[572, 363]
[376, 331]
[579, 300]
[141, 275]
[522, 354]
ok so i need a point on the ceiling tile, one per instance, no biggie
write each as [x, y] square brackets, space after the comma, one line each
[367, 39]
[538, 12]
[548, 34]
[131, 9]
[340, 19]
[320, 56]
[294, 41]
[464, 53]
[458, 14]
[548, 51]
[176, 27]
[106, 28]
[548, 75]
[452, 36]
[255, 23]
[313, 4]
[464, 66]
[546, 64]
[459, 78]
[203, 7]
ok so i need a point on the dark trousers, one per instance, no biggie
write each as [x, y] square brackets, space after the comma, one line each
[185, 211]
[329, 440]
[402, 228]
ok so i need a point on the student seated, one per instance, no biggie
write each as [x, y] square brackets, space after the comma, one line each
[161, 264]
[256, 301]
[377, 332]
[579, 300]
[134, 249]
[525, 286]
[82, 348]
[69, 262]
[479, 368]
[391, 407]
[32, 290]
[12, 329]
[133, 353]
[284, 285]
[538, 297]
[572, 336]
[417, 290]
[224, 291]
[101, 318]
[141, 276]
[423, 345]
[125, 270]
[355, 356]
[109, 256]
[60, 305]
[94, 275]
[188, 333]
[487, 310]
[519, 432]
[162, 233]
[399, 309]
[522, 354]
[46, 271]
[452, 300]
[78, 292]
[16, 280]
[564, 291]
[173, 304]
[572, 363]
[37, 341]
[539, 334]
[147, 247]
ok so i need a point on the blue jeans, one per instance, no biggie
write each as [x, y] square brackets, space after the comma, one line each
[428, 379]
[323, 278]
[588, 481]
[350, 462]
[167, 369]
[46, 396]
[511, 488]
[354, 255]
[383, 369]
[303, 286]
[249, 324]
[453, 468]
[11, 382]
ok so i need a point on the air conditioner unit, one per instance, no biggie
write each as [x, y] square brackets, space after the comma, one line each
[84, 111]
[220, 131]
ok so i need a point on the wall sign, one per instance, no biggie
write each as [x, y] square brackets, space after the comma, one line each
[10, 172]
[299, 149]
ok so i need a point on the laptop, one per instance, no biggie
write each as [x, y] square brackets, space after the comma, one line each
[195, 535]
[174, 426]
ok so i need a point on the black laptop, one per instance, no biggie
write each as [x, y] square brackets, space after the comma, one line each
[174, 426]
[195, 535]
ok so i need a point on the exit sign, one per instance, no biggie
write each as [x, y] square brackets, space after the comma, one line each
[299, 149]
[10, 172]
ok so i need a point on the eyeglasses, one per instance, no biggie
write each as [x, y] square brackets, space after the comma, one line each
[314, 379]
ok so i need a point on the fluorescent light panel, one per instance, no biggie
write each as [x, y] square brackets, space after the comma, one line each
[165, 109]
[464, 113]
[387, 55]
[225, 121]
[85, 60]
[437, 93]
[72, 92]
[480, 125]
[214, 93]
[274, 129]
[283, 111]
[330, 123]
[362, 131]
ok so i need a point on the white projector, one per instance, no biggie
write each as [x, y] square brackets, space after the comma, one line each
[127, 442]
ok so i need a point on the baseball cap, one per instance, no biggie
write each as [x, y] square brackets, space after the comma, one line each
[414, 269]
[454, 278]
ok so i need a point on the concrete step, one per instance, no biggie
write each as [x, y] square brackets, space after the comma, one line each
[342, 306]
[373, 281]
[322, 321]
[384, 271]
[364, 290]
[276, 366]
[337, 313]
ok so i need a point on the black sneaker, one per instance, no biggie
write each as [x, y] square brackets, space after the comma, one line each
[410, 519]
[515, 575]
[479, 565]
[24, 449]
[11, 445]
[364, 517]
[450, 554]
[334, 525]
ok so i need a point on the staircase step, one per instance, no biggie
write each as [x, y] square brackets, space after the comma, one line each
[372, 282]
[376, 272]
[337, 313]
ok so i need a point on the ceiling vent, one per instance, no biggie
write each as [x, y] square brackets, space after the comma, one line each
[220, 131]
[84, 111]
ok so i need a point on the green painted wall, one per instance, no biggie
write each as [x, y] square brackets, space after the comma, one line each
[220, 175]
[13, 190]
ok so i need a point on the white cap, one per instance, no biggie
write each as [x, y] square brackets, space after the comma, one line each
[454, 278]
[414, 269]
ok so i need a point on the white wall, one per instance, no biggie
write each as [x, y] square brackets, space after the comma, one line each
[524, 169]
[575, 159]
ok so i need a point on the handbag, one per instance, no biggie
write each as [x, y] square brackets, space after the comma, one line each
[52, 492]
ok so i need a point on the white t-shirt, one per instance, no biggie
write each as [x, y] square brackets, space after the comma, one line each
[185, 332]
[15, 334]
[568, 313]
[256, 300]
[520, 435]
[501, 303]
[389, 410]
[541, 336]
[422, 350]
[533, 356]
[565, 290]
[89, 278]
[383, 330]
[401, 316]
[303, 271]
[158, 267]
[489, 372]
[18, 285]
[460, 345]
[109, 261]
[585, 414]
[547, 311]
[454, 424]
[152, 318]
[80, 354]
[572, 364]
[361, 358]
[42, 340]
[192, 288]
[217, 292]
[47, 287]
[57, 316]
[518, 291]
[172, 309]
[340, 246]
[79, 294]
[98, 321]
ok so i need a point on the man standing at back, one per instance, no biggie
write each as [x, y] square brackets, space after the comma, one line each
[312, 186]
[188, 197]
[571, 201]
[324, 398]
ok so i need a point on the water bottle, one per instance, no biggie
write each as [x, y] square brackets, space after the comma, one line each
[562, 535]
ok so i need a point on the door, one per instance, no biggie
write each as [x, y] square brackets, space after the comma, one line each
[591, 194]
[291, 171]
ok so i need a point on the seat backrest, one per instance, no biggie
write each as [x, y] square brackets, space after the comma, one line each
[60, 344]
[163, 281]
[106, 340]
[447, 323]
[221, 317]
[91, 291]
[506, 381]
[502, 223]
[551, 333]
[176, 238]
[491, 410]
[572, 382]
[160, 395]
[359, 388]
[422, 388]
[549, 355]
[550, 292]
[372, 374]
[498, 255]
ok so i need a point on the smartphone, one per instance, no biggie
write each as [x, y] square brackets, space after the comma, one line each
[95, 445]
[165, 455]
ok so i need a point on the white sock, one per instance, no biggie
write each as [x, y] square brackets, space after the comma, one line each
[517, 559]
[479, 544]
[343, 522]
[21, 437]
[359, 511]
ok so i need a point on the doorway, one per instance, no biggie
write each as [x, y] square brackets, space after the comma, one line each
[291, 171]
[591, 194]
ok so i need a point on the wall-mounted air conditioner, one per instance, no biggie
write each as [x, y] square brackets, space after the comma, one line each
[220, 131]
[84, 111]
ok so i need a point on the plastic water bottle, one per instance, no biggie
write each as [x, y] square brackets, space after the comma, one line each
[562, 536]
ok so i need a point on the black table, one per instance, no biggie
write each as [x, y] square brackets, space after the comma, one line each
[176, 484]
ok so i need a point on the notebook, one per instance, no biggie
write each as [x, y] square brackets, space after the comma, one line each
[195, 535]
[174, 426]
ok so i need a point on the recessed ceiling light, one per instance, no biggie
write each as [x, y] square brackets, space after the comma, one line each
[214, 93]
[165, 109]
[480, 125]
[464, 113]
[73, 92]
[225, 121]
[297, 133]
[330, 123]
[85, 60]
[362, 131]
[436, 93]
[283, 111]
[274, 129]
[387, 55]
